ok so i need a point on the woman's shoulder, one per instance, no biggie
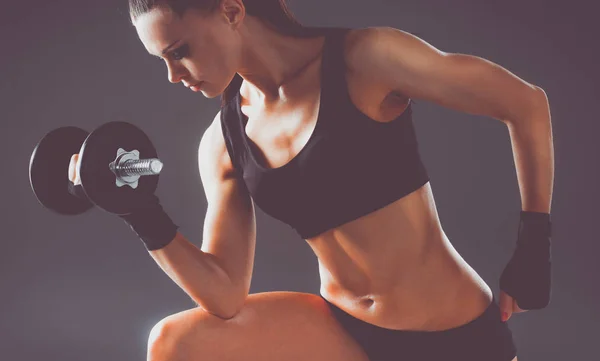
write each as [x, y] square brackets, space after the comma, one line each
[382, 54]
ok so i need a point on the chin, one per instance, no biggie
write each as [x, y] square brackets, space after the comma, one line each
[211, 93]
[210, 96]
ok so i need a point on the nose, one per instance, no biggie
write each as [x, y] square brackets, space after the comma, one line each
[175, 72]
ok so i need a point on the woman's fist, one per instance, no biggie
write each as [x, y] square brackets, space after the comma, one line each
[74, 170]
[508, 306]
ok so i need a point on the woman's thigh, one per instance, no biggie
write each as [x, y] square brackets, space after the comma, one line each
[271, 326]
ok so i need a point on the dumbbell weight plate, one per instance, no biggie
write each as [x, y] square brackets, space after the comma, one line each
[48, 170]
[98, 181]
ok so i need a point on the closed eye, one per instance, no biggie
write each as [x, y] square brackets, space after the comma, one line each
[181, 52]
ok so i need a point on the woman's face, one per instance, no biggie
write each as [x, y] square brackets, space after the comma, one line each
[201, 51]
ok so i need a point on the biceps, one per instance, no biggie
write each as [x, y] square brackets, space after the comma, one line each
[230, 229]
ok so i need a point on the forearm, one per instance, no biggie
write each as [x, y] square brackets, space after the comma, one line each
[533, 152]
[199, 275]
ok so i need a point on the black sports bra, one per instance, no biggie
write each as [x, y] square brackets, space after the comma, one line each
[352, 165]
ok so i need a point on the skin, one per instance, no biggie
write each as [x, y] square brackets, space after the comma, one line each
[261, 56]
[394, 267]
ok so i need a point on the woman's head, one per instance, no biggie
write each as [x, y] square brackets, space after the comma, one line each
[198, 39]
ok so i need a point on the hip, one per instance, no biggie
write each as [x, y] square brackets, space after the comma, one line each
[485, 337]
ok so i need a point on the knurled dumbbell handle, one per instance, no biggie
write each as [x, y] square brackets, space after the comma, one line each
[141, 167]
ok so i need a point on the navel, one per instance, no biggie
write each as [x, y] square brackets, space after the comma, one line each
[367, 302]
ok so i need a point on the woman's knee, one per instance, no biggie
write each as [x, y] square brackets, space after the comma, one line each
[168, 338]
[159, 344]
[162, 340]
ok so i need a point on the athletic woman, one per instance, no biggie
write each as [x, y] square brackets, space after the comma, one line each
[315, 127]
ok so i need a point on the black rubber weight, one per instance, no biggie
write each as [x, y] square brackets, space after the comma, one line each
[98, 151]
[48, 170]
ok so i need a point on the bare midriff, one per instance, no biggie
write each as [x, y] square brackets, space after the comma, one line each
[395, 268]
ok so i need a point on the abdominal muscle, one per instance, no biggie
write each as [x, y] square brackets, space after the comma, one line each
[395, 268]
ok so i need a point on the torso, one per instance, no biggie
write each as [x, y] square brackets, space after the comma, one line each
[395, 267]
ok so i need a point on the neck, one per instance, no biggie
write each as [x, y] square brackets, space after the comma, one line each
[270, 60]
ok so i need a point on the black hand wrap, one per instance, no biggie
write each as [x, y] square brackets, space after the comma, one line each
[151, 223]
[527, 276]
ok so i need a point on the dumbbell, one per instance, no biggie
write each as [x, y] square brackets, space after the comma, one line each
[118, 167]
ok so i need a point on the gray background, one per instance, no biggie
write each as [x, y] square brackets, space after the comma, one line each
[84, 288]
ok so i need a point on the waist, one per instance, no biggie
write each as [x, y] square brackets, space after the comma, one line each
[396, 268]
[438, 292]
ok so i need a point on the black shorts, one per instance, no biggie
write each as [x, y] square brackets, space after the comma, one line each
[486, 338]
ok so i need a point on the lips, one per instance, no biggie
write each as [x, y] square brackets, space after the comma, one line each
[196, 87]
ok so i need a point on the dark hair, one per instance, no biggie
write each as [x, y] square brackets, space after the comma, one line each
[274, 13]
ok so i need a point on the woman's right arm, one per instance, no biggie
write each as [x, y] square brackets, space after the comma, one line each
[217, 275]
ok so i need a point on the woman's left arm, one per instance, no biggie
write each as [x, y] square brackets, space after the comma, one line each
[410, 66]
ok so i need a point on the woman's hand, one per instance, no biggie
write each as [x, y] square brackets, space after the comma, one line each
[74, 170]
[508, 306]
